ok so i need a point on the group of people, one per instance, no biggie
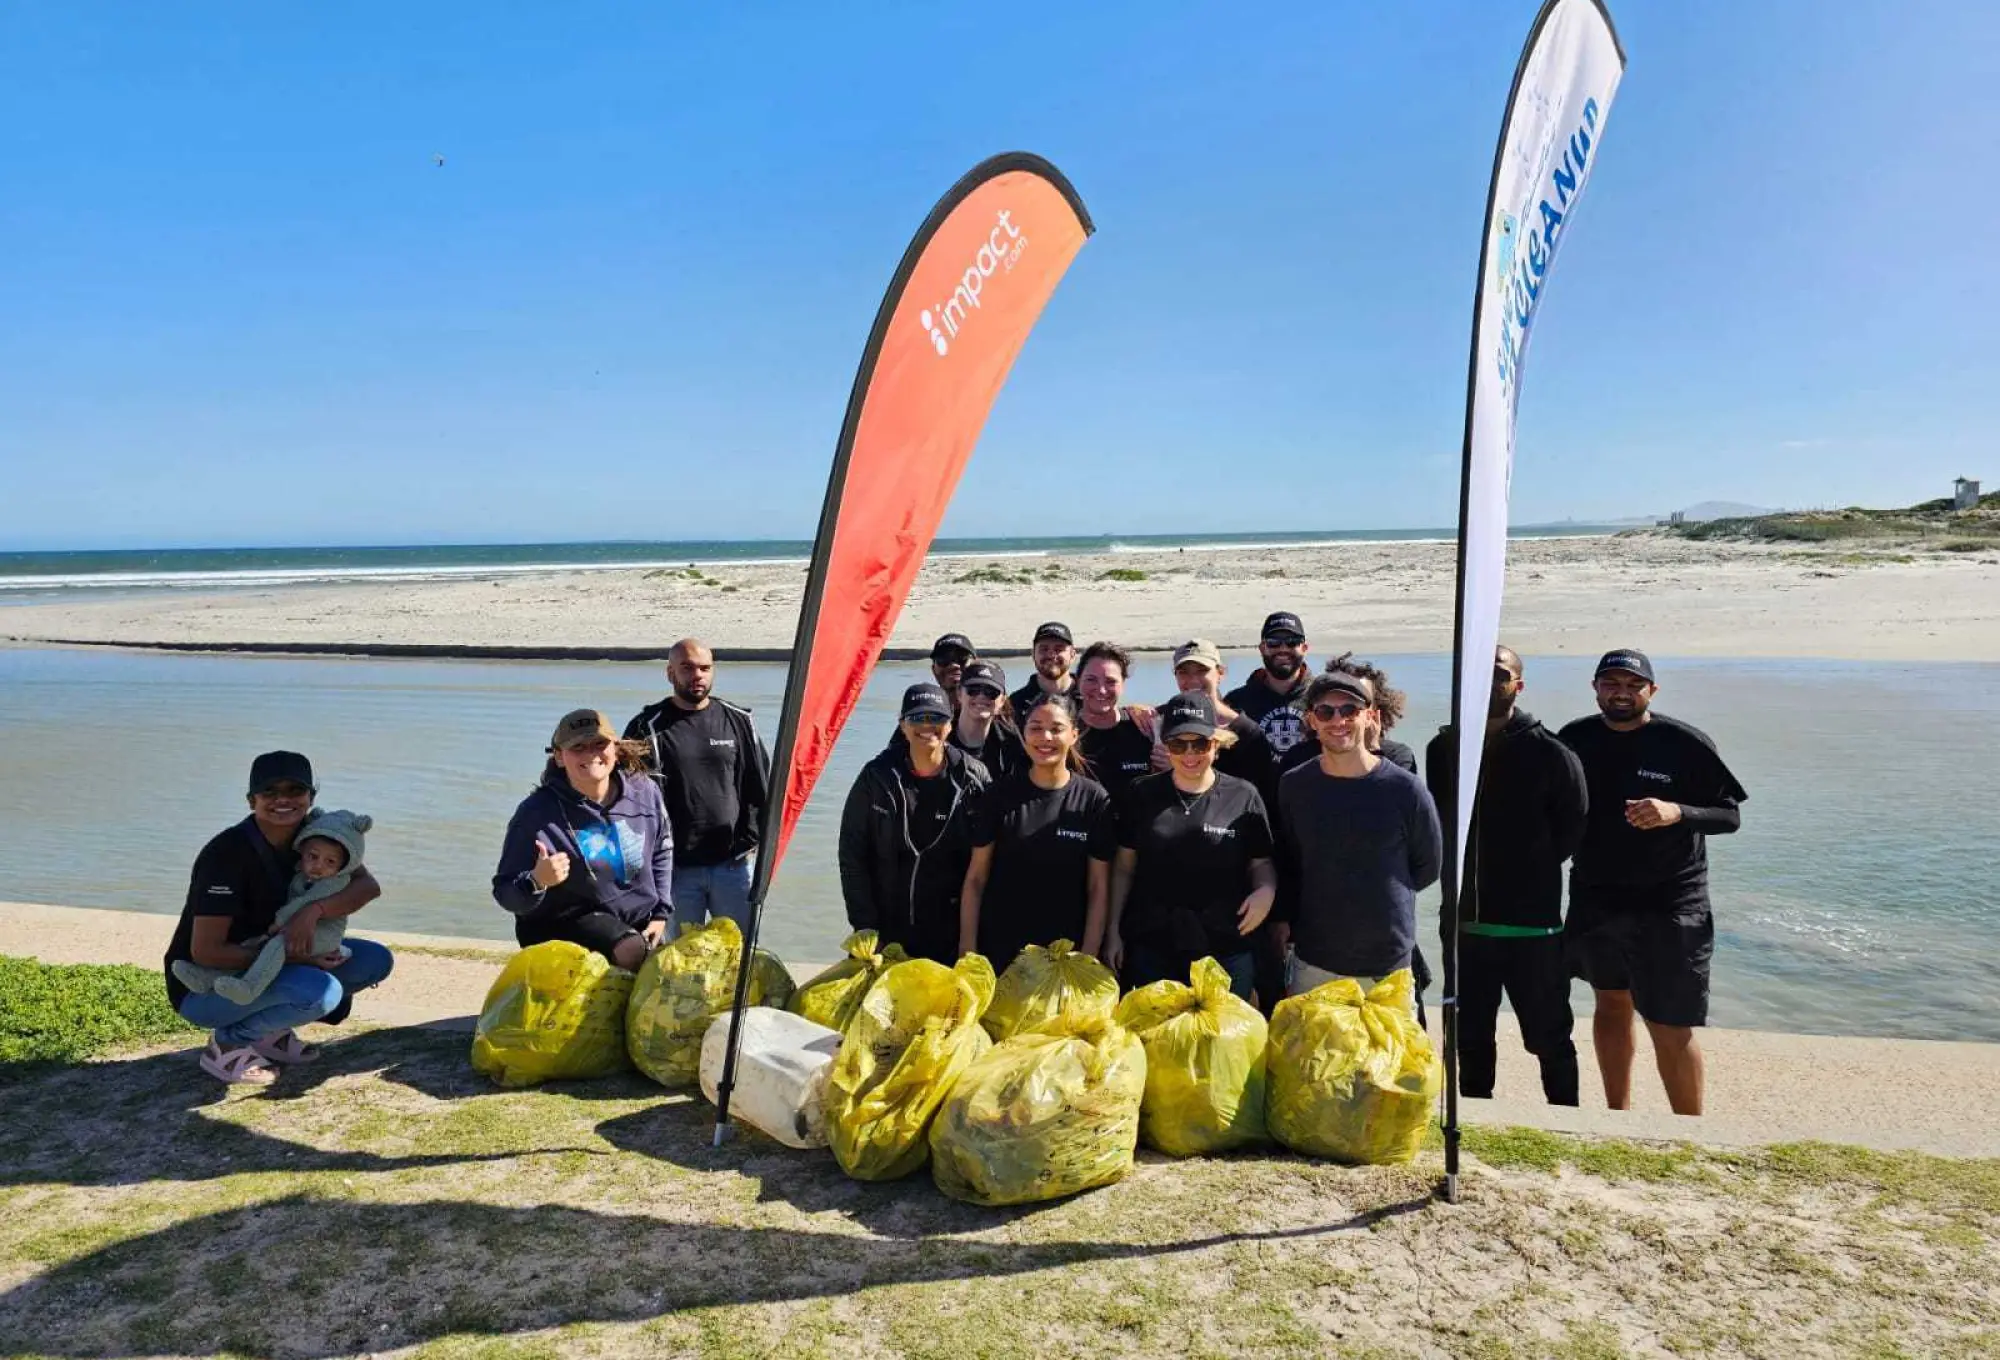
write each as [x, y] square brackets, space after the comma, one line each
[1275, 827]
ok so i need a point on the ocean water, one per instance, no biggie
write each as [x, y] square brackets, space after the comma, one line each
[28, 576]
[1861, 896]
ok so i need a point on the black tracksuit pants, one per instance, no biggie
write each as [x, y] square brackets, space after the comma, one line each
[1534, 975]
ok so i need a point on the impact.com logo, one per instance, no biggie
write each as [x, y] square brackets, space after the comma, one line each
[943, 321]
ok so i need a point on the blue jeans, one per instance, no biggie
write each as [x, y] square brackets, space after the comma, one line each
[705, 891]
[1144, 964]
[299, 994]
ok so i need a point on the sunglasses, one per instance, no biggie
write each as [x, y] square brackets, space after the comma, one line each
[1188, 746]
[1336, 712]
[1284, 640]
[982, 691]
[926, 720]
[951, 659]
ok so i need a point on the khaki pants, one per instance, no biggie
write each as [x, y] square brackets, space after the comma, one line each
[1305, 977]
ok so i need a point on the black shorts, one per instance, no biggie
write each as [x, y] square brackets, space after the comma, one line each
[598, 930]
[1660, 955]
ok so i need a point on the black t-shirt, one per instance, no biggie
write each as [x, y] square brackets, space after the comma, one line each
[1043, 840]
[1028, 693]
[1666, 867]
[1193, 867]
[1117, 755]
[238, 874]
[1002, 753]
[1250, 758]
[711, 777]
[1281, 716]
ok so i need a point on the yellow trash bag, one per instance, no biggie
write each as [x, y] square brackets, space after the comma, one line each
[916, 1030]
[555, 1013]
[832, 997]
[680, 988]
[1041, 984]
[1204, 1063]
[1353, 1077]
[1049, 1112]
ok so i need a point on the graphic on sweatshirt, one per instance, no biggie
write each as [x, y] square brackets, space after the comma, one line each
[614, 847]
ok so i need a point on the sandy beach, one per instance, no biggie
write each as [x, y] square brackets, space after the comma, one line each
[1564, 596]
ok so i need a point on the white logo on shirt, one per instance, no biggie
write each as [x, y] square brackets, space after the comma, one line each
[220, 890]
[1657, 776]
[722, 741]
[1065, 834]
[1214, 830]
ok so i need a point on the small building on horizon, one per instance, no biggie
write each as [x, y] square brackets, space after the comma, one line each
[1964, 494]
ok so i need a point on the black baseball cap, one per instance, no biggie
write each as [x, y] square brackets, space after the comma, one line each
[1187, 715]
[925, 701]
[280, 767]
[952, 642]
[979, 672]
[1626, 659]
[1059, 631]
[1282, 624]
[1344, 682]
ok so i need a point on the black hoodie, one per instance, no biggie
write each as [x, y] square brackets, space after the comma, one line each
[904, 884]
[1530, 818]
[632, 828]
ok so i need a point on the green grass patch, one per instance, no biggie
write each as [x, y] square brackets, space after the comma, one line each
[66, 1012]
[993, 574]
[1611, 1159]
[1122, 574]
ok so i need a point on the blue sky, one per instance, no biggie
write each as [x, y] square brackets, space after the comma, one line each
[242, 304]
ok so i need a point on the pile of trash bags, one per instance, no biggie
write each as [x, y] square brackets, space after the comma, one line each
[1352, 1074]
[1205, 1071]
[555, 1013]
[914, 1034]
[832, 997]
[684, 985]
[1036, 1085]
[1052, 1111]
[1041, 984]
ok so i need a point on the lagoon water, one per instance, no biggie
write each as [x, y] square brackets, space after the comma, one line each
[1861, 897]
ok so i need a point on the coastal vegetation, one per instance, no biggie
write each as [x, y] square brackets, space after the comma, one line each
[395, 1200]
[1934, 525]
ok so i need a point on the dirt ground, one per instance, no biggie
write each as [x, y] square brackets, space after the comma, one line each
[389, 1200]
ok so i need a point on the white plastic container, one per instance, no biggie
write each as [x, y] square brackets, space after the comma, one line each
[781, 1073]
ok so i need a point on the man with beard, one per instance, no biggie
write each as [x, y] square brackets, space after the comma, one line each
[1641, 931]
[1529, 818]
[1273, 697]
[714, 776]
[948, 657]
[1055, 653]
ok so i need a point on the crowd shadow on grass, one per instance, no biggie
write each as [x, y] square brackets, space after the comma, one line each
[408, 1273]
[682, 1132]
[148, 1118]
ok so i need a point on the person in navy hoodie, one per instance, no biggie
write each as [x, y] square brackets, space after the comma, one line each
[589, 856]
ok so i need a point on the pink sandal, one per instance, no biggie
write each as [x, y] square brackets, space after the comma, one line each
[285, 1048]
[237, 1066]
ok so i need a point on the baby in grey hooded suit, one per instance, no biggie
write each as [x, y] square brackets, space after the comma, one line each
[330, 847]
